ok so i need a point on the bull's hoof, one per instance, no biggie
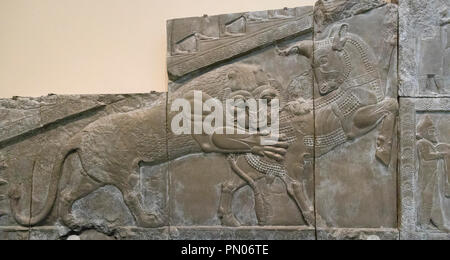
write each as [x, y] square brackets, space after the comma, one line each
[229, 220]
[310, 218]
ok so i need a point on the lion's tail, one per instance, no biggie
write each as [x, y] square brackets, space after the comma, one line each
[16, 195]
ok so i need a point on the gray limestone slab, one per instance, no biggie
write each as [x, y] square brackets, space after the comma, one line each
[424, 37]
[424, 184]
[356, 115]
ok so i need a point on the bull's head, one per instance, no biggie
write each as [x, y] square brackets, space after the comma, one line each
[326, 56]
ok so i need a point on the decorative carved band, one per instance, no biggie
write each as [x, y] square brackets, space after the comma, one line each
[179, 67]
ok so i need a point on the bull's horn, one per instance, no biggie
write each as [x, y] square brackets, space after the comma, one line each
[340, 37]
[306, 48]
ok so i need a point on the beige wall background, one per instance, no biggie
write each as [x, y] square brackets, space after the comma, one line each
[96, 46]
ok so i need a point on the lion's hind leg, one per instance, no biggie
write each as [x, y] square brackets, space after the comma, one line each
[144, 219]
[134, 201]
[78, 185]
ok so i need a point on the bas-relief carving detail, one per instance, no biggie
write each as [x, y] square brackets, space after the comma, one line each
[425, 48]
[328, 12]
[331, 175]
[424, 70]
[358, 160]
[196, 43]
[27, 163]
[352, 89]
[424, 183]
[259, 163]
[433, 158]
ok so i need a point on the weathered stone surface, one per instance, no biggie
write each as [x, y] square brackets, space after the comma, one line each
[113, 167]
[328, 12]
[355, 115]
[195, 43]
[242, 233]
[244, 189]
[14, 233]
[195, 200]
[424, 48]
[29, 158]
[424, 175]
[357, 234]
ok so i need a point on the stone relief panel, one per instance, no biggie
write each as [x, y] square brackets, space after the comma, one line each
[425, 48]
[250, 188]
[54, 157]
[356, 113]
[424, 183]
[196, 43]
[348, 99]
[117, 167]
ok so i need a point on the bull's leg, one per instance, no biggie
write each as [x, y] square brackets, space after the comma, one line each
[260, 203]
[297, 193]
[298, 169]
[369, 117]
[225, 213]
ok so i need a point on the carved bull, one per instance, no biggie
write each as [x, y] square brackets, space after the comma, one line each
[348, 102]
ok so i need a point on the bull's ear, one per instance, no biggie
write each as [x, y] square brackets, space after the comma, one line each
[340, 37]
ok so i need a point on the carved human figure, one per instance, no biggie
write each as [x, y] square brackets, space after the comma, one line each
[429, 155]
[445, 149]
[445, 17]
[445, 24]
[433, 61]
